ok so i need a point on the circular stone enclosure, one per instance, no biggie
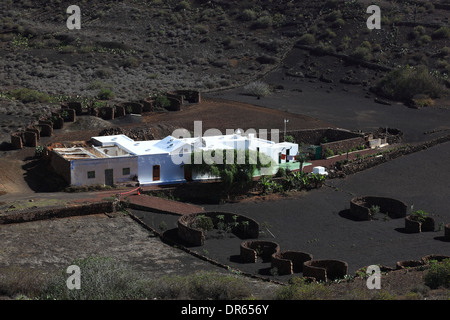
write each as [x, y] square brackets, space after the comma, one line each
[324, 270]
[241, 226]
[361, 207]
[251, 250]
[289, 262]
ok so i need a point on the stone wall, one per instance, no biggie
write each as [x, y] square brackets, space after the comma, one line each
[62, 212]
[360, 207]
[17, 140]
[342, 145]
[251, 250]
[289, 262]
[409, 264]
[243, 227]
[188, 234]
[30, 138]
[414, 226]
[148, 104]
[106, 113]
[322, 135]
[324, 270]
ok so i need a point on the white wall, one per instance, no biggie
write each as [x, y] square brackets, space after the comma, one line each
[169, 171]
[80, 168]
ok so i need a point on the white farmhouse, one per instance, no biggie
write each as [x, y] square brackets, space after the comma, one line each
[118, 159]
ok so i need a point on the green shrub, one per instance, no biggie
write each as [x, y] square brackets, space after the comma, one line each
[333, 16]
[438, 275]
[299, 289]
[162, 102]
[404, 83]
[289, 139]
[183, 5]
[328, 153]
[306, 39]
[203, 222]
[130, 62]
[16, 280]
[27, 95]
[200, 286]
[362, 53]
[105, 94]
[262, 22]
[102, 279]
[441, 33]
[424, 40]
[247, 15]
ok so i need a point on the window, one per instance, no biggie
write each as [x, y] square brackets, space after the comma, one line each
[91, 174]
[126, 171]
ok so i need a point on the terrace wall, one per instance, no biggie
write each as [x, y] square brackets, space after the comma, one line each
[61, 212]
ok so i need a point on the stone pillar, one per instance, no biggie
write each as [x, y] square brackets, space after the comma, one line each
[16, 140]
[30, 139]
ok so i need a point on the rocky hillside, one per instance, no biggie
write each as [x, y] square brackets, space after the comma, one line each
[129, 49]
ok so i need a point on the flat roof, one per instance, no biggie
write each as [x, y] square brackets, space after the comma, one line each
[170, 144]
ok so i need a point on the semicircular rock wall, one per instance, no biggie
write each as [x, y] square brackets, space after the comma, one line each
[324, 270]
[289, 262]
[360, 207]
[241, 226]
[251, 250]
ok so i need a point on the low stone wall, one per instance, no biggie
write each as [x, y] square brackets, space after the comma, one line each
[119, 111]
[131, 107]
[188, 234]
[251, 250]
[409, 264]
[74, 105]
[175, 103]
[148, 104]
[289, 262]
[436, 257]
[60, 212]
[106, 113]
[360, 207]
[342, 145]
[192, 96]
[324, 270]
[323, 135]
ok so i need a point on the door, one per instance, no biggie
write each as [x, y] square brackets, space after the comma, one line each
[109, 177]
[187, 173]
[156, 173]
